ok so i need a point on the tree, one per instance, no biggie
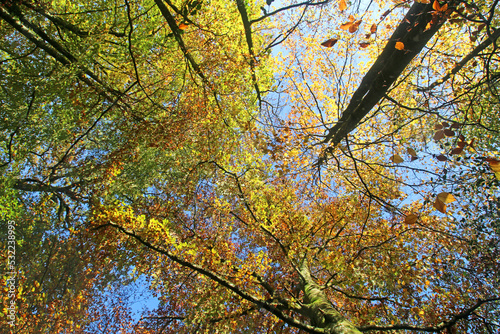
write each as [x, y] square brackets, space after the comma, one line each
[346, 184]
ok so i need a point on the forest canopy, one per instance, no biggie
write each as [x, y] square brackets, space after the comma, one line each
[317, 166]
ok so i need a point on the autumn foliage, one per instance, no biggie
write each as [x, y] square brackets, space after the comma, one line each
[193, 166]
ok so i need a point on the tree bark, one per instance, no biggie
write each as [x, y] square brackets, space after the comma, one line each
[319, 309]
[415, 30]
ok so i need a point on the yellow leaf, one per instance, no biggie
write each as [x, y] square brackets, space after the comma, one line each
[396, 158]
[446, 197]
[400, 46]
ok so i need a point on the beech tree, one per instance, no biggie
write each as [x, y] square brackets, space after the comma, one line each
[265, 167]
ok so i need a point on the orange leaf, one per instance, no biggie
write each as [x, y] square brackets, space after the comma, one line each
[346, 26]
[364, 44]
[437, 7]
[342, 5]
[183, 26]
[329, 43]
[373, 28]
[400, 46]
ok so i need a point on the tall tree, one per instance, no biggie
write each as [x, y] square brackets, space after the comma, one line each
[316, 166]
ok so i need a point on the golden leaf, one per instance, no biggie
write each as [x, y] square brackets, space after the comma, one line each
[439, 205]
[446, 197]
[400, 46]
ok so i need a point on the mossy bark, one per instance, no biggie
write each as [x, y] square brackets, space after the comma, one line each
[319, 309]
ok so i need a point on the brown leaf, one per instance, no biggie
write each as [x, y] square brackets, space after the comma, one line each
[449, 133]
[364, 44]
[455, 125]
[373, 28]
[411, 152]
[441, 157]
[411, 218]
[396, 158]
[354, 27]
[457, 150]
[439, 135]
[438, 126]
[330, 42]
[439, 205]
[461, 144]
